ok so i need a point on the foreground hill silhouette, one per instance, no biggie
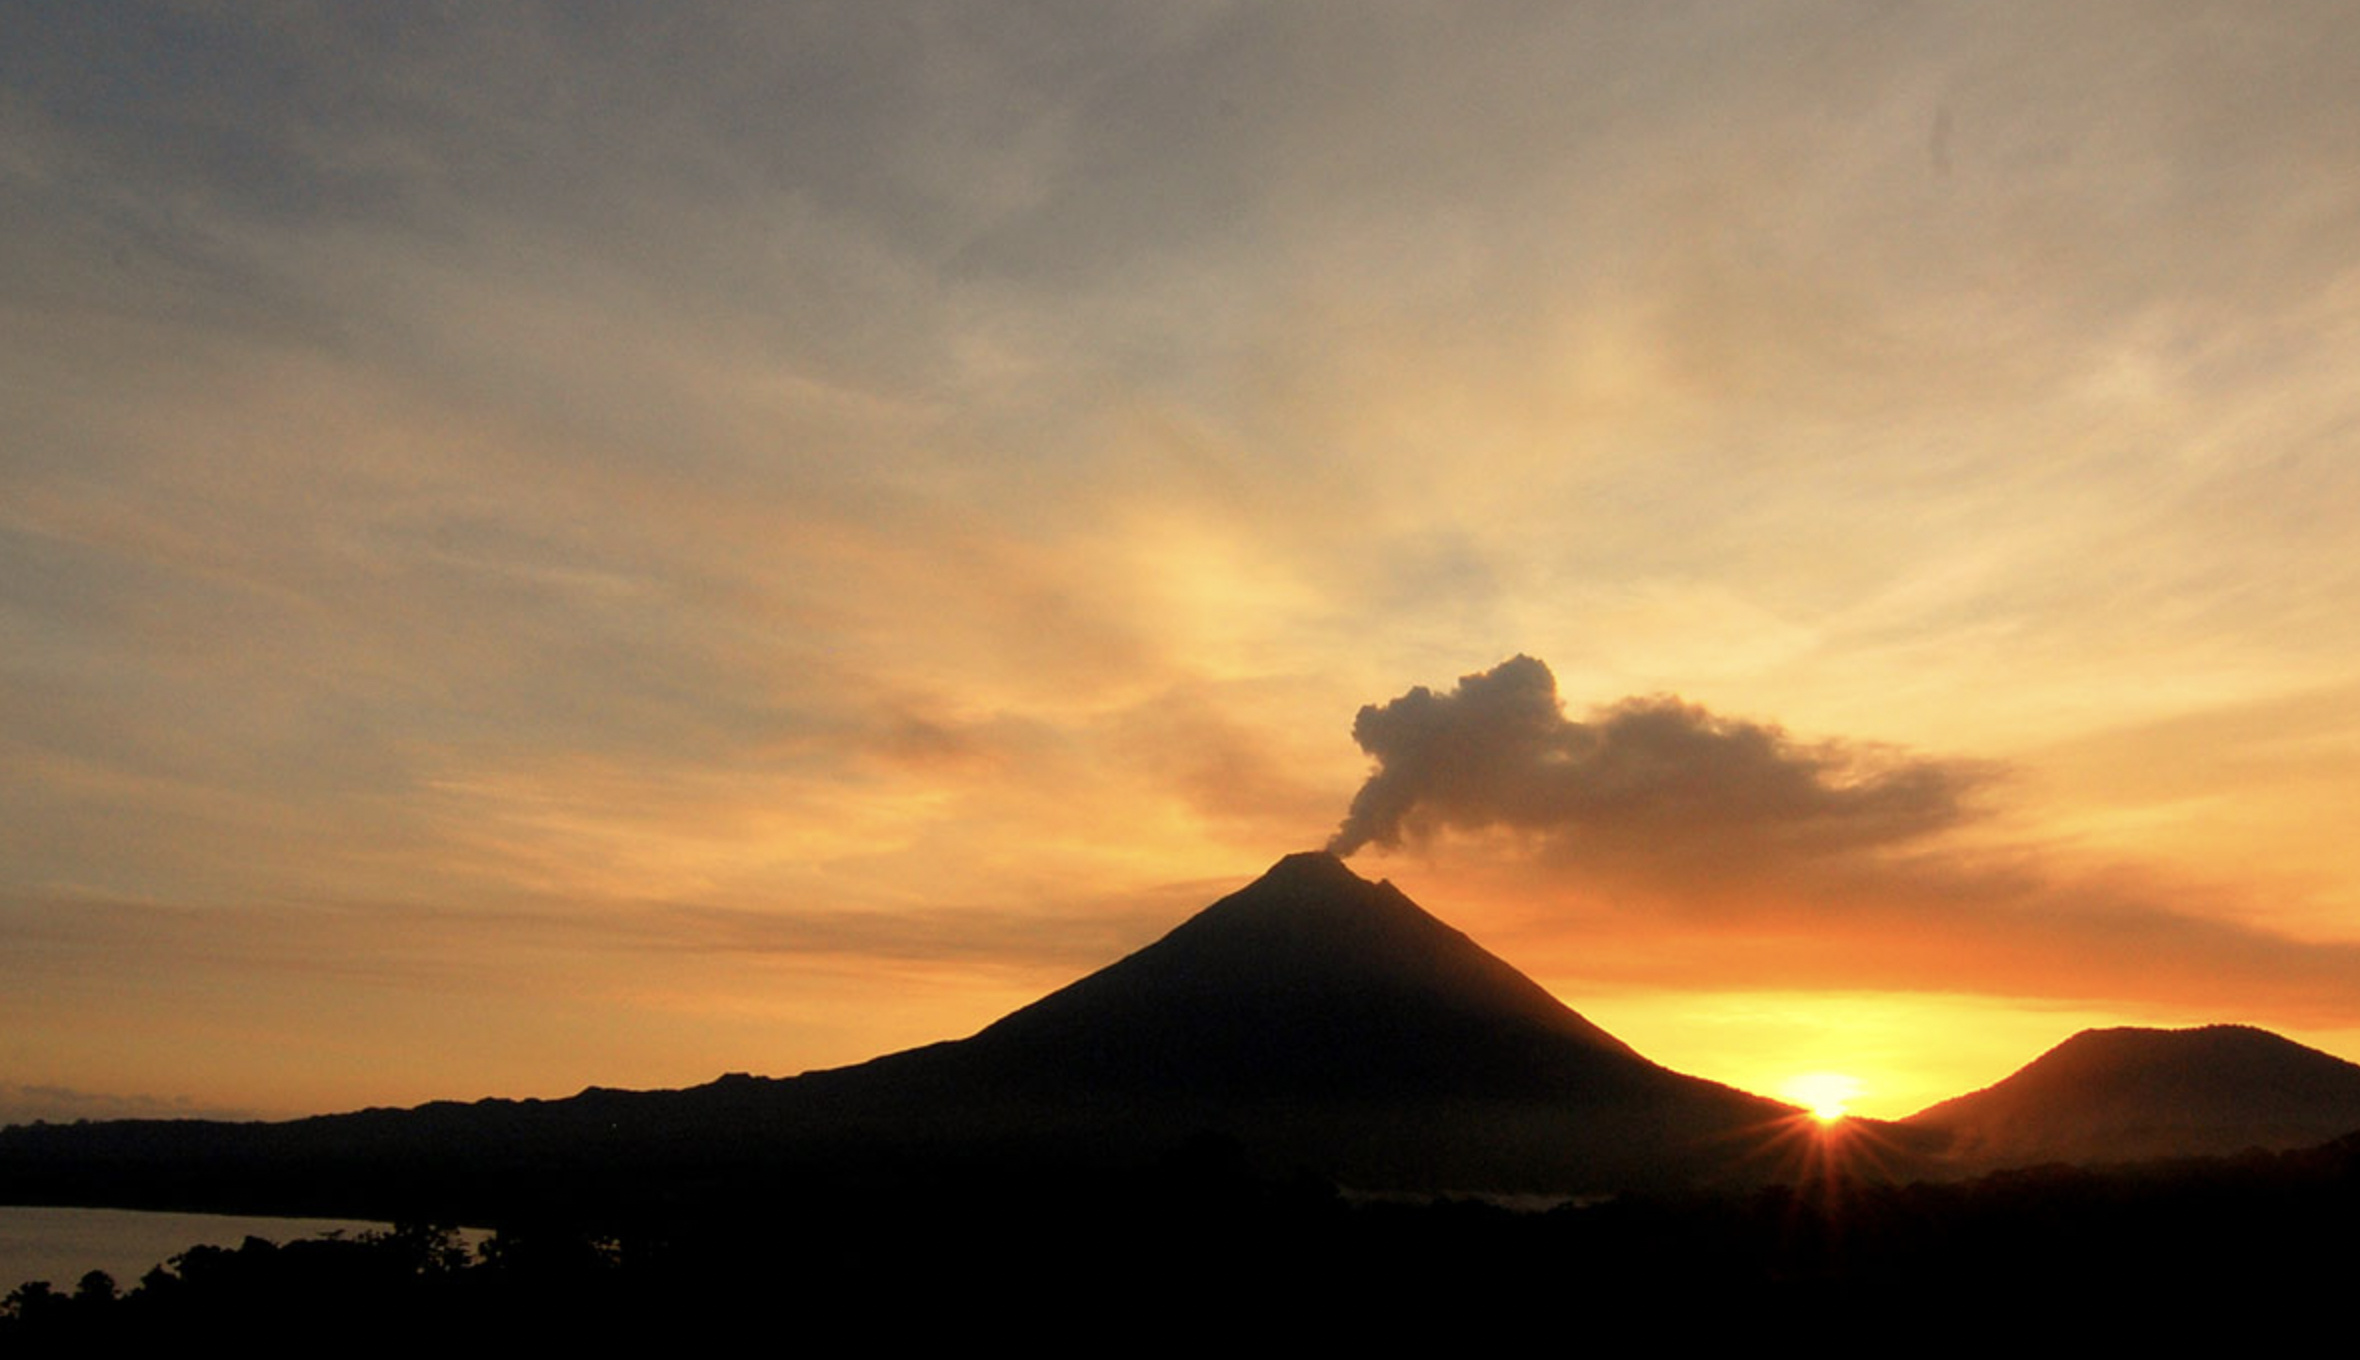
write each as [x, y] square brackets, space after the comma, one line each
[2114, 1095]
[1312, 1020]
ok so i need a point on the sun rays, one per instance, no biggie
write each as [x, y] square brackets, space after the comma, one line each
[1827, 1095]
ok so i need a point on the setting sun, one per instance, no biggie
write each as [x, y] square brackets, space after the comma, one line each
[1824, 1094]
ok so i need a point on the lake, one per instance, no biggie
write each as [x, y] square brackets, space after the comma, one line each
[61, 1245]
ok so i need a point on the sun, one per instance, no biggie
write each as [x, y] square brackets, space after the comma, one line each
[1825, 1094]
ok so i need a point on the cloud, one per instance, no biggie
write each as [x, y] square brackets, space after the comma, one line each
[1498, 751]
[26, 1103]
[1676, 847]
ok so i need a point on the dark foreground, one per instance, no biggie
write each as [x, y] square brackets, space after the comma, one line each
[1202, 1246]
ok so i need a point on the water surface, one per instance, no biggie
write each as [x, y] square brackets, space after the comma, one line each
[61, 1245]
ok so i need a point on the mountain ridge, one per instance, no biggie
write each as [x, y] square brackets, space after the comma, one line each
[1317, 1019]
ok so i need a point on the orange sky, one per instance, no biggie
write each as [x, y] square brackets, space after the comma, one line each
[541, 548]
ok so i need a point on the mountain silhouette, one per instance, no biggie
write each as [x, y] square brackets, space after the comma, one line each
[1326, 1020]
[2129, 1094]
[1312, 1020]
[1310, 982]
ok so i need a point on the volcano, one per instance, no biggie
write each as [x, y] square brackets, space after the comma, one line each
[1312, 983]
[1313, 1020]
[1329, 1021]
[2128, 1094]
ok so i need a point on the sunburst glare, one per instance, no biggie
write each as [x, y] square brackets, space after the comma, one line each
[1827, 1095]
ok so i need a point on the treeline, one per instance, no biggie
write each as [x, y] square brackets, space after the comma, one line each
[399, 1279]
[1206, 1244]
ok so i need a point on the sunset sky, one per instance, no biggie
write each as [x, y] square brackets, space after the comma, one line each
[594, 544]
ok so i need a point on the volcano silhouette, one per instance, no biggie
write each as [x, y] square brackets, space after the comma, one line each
[1320, 1018]
[1312, 982]
[1312, 1020]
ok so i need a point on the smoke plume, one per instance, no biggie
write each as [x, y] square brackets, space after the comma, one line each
[1498, 751]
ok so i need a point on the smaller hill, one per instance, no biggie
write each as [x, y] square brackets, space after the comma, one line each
[2115, 1095]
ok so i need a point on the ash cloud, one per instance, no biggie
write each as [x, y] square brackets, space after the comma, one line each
[1498, 751]
[1753, 855]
